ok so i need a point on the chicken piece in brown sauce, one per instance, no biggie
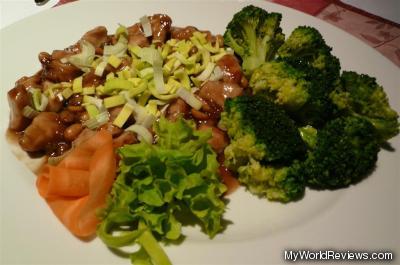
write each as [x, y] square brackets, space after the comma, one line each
[178, 108]
[231, 70]
[160, 27]
[45, 129]
[56, 71]
[97, 36]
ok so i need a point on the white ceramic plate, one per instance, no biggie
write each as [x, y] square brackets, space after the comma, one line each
[362, 217]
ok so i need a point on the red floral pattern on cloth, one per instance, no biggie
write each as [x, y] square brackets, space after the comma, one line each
[377, 32]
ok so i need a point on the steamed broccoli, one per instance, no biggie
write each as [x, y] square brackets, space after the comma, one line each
[255, 35]
[265, 143]
[296, 89]
[282, 83]
[301, 78]
[274, 132]
[360, 95]
[319, 107]
[345, 151]
[276, 182]
[306, 48]
[305, 124]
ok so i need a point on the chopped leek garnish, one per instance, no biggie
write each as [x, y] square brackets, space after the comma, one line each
[121, 30]
[154, 77]
[146, 26]
[84, 59]
[116, 84]
[103, 117]
[43, 103]
[29, 112]
[173, 85]
[207, 72]
[155, 93]
[148, 121]
[100, 68]
[206, 58]
[92, 100]
[114, 101]
[159, 79]
[134, 50]
[114, 61]
[218, 56]
[125, 74]
[140, 88]
[123, 115]
[36, 96]
[151, 107]
[99, 120]
[210, 48]
[169, 65]
[189, 98]
[166, 49]
[39, 100]
[92, 110]
[88, 90]
[144, 97]
[186, 61]
[147, 73]
[183, 78]
[77, 85]
[67, 93]
[217, 74]
[142, 132]
[140, 113]
[100, 90]
[119, 49]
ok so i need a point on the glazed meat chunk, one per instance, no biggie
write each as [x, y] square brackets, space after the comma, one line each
[44, 129]
[56, 71]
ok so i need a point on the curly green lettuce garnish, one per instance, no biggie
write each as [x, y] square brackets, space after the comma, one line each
[159, 183]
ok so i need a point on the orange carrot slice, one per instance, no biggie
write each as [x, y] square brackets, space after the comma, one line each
[78, 186]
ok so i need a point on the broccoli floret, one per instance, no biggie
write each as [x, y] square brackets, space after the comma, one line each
[277, 183]
[296, 88]
[282, 83]
[306, 47]
[306, 51]
[264, 145]
[254, 35]
[274, 132]
[345, 151]
[319, 107]
[302, 41]
[360, 95]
